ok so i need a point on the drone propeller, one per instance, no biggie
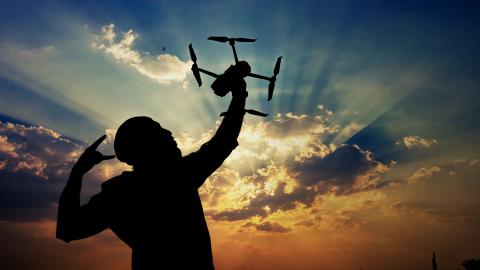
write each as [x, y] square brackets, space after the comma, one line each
[195, 70]
[192, 53]
[232, 42]
[277, 66]
[245, 39]
[225, 39]
[271, 85]
[219, 39]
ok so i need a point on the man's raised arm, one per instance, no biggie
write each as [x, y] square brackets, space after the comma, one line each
[228, 131]
[212, 154]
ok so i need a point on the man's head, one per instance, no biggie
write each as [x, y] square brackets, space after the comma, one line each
[142, 142]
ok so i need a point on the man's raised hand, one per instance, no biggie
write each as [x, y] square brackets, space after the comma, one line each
[91, 157]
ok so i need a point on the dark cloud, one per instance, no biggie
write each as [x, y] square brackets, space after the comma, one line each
[280, 200]
[308, 222]
[348, 219]
[338, 170]
[346, 170]
[283, 201]
[437, 212]
[239, 214]
[34, 167]
[41, 151]
[27, 197]
[268, 226]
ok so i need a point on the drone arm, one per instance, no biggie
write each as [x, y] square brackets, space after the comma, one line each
[232, 43]
[208, 72]
[259, 76]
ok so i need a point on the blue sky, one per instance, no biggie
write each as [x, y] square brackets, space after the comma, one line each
[334, 53]
[395, 81]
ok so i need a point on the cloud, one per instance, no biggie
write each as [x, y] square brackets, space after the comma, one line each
[474, 162]
[32, 148]
[455, 167]
[35, 160]
[346, 170]
[346, 219]
[413, 142]
[264, 203]
[437, 213]
[8, 148]
[283, 200]
[287, 136]
[268, 226]
[307, 222]
[34, 165]
[163, 68]
[239, 214]
[348, 131]
[284, 165]
[424, 173]
[271, 189]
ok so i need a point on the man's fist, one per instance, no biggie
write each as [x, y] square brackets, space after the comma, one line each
[239, 89]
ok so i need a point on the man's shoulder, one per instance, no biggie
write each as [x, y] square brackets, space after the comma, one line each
[117, 182]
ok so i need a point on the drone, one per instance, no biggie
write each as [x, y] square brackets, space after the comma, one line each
[241, 69]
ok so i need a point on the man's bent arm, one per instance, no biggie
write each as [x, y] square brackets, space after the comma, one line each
[76, 222]
[69, 207]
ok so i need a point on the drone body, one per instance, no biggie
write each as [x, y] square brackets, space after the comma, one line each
[221, 86]
[240, 70]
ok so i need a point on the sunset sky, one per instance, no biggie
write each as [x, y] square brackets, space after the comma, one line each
[369, 158]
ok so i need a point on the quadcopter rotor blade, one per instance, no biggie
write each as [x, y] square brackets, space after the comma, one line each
[271, 86]
[277, 66]
[196, 73]
[192, 53]
[195, 70]
[245, 39]
[219, 39]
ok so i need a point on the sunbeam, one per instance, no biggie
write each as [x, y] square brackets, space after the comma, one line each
[368, 158]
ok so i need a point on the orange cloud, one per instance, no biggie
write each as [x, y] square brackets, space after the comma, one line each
[412, 142]
[424, 173]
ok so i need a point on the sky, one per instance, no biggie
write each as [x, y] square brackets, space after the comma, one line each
[368, 159]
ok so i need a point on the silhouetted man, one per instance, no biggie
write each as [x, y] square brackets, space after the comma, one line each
[155, 209]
